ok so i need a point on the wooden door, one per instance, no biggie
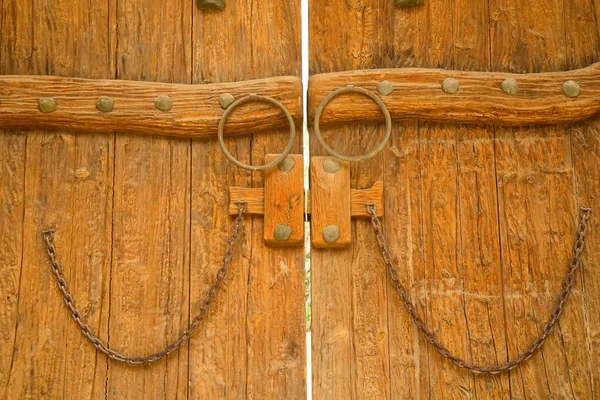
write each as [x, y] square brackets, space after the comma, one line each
[480, 221]
[142, 221]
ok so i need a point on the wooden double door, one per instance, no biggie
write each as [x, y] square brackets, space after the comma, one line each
[479, 219]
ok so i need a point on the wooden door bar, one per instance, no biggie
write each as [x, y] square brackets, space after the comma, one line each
[461, 97]
[103, 105]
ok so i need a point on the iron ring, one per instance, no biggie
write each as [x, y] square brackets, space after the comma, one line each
[247, 99]
[376, 99]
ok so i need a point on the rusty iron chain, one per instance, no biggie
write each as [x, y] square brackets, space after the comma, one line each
[48, 236]
[568, 282]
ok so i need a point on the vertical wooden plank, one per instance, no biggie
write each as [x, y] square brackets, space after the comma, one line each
[349, 292]
[538, 210]
[218, 355]
[150, 265]
[276, 314]
[252, 346]
[66, 182]
[583, 48]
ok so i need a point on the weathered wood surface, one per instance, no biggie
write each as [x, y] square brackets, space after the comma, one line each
[54, 179]
[284, 201]
[142, 221]
[418, 95]
[196, 110]
[331, 201]
[480, 221]
[358, 197]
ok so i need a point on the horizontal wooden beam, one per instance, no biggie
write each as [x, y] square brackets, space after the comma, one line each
[481, 98]
[256, 200]
[195, 109]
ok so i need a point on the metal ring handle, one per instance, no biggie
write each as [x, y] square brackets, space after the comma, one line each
[376, 99]
[247, 99]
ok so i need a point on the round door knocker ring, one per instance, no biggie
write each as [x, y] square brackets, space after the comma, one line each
[247, 99]
[376, 99]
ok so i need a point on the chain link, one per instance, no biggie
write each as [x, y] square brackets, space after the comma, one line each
[48, 236]
[574, 264]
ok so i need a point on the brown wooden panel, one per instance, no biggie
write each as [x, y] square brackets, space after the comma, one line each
[252, 345]
[196, 109]
[480, 221]
[149, 302]
[418, 94]
[54, 179]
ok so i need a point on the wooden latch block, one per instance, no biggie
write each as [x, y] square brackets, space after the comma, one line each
[331, 202]
[281, 201]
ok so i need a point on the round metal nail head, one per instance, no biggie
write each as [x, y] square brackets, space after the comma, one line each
[331, 165]
[225, 100]
[163, 103]
[282, 232]
[385, 87]
[510, 86]
[331, 233]
[47, 105]
[450, 85]
[287, 164]
[105, 104]
[571, 89]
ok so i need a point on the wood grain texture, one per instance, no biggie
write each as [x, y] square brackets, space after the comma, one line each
[330, 203]
[358, 197]
[483, 274]
[538, 211]
[151, 223]
[284, 202]
[196, 110]
[480, 100]
[62, 180]
[349, 291]
[253, 346]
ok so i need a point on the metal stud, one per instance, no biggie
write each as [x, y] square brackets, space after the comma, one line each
[163, 103]
[287, 164]
[571, 89]
[408, 3]
[211, 4]
[450, 85]
[105, 104]
[225, 100]
[47, 105]
[509, 86]
[385, 88]
[331, 165]
[331, 233]
[282, 232]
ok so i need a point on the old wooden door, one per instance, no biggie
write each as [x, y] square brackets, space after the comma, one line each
[480, 221]
[142, 221]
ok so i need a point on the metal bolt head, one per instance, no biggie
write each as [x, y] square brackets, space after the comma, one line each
[163, 103]
[331, 233]
[225, 100]
[211, 4]
[571, 89]
[287, 164]
[282, 232]
[331, 165]
[509, 86]
[408, 3]
[450, 85]
[47, 105]
[105, 104]
[385, 88]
